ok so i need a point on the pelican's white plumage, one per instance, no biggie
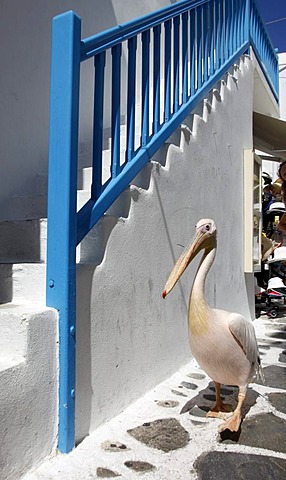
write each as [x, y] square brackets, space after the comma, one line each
[223, 343]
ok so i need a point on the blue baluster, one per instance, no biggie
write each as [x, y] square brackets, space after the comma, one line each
[212, 36]
[131, 97]
[227, 28]
[185, 57]
[235, 14]
[223, 33]
[240, 21]
[276, 73]
[115, 110]
[248, 21]
[199, 47]
[219, 34]
[167, 73]
[231, 28]
[145, 86]
[99, 65]
[156, 78]
[176, 32]
[192, 51]
[205, 12]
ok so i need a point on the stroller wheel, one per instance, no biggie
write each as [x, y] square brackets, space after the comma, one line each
[273, 313]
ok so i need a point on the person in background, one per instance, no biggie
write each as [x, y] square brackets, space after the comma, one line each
[267, 200]
[282, 176]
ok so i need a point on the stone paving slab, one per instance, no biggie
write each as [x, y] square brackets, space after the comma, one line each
[278, 400]
[166, 435]
[265, 430]
[239, 466]
[275, 376]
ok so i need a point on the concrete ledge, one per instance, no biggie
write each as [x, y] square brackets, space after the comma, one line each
[28, 387]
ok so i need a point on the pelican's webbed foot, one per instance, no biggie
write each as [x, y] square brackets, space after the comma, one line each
[220, 410]
[232, 423]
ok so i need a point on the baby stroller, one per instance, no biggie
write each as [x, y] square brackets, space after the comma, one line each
[275, 297]
[271, 218]
[272, 300]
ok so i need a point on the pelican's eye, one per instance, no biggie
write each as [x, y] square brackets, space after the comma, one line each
[208, 227]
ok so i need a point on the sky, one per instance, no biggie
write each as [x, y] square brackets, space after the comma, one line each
[274, 15]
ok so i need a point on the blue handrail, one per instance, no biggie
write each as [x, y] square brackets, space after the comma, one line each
[184, 50]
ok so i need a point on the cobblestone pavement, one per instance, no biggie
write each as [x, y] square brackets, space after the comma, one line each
[166, 435]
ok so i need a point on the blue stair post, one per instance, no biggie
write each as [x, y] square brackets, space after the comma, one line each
[62, 193]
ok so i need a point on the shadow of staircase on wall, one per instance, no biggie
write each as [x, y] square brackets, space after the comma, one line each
[23, 242]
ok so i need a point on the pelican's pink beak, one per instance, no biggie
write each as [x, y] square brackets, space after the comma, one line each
[200, 242]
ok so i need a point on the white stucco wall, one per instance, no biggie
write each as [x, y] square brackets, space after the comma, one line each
[128, 338]
[25, 40]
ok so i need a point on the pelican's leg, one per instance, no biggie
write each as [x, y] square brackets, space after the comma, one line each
[220, 408]
[233, 423]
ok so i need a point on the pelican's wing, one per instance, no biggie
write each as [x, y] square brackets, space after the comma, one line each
[244, 333]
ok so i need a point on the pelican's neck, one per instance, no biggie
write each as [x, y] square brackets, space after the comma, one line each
[198, 308]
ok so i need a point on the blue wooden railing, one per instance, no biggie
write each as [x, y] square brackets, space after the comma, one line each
[185, 49]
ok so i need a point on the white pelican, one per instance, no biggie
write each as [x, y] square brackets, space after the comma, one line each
[223, 343]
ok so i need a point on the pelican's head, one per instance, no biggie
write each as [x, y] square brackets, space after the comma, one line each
[205, 239]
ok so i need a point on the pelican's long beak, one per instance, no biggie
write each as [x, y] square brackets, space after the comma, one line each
[201, 241]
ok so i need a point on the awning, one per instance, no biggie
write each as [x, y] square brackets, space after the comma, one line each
[270, 135]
